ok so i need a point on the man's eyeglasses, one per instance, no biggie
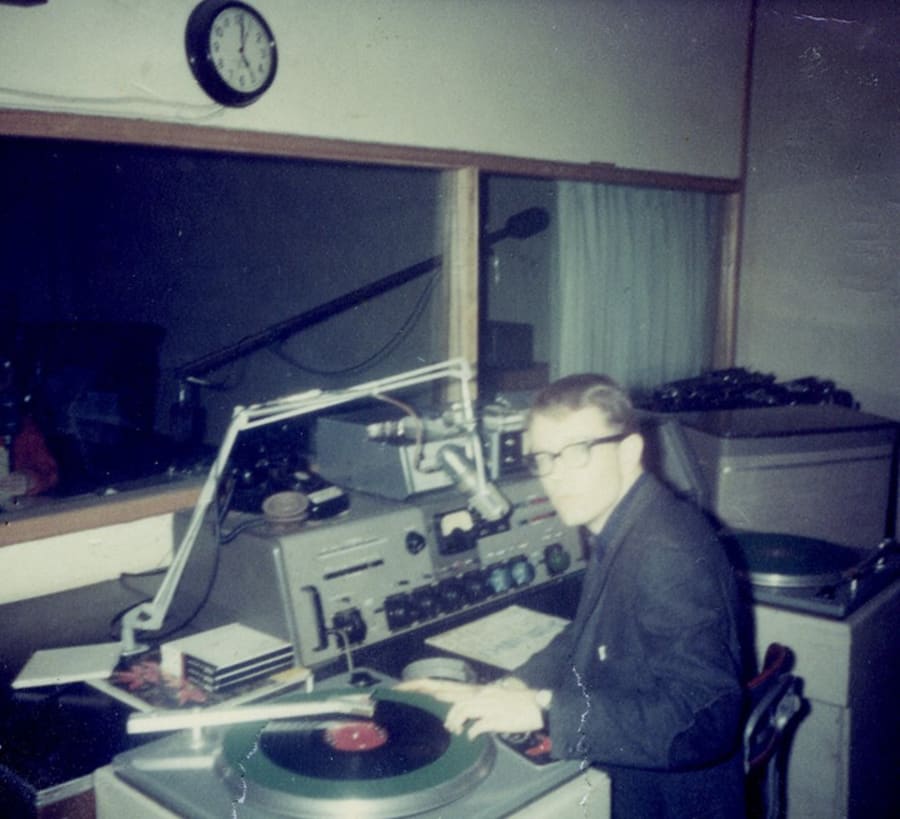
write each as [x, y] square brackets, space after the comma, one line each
[572, 456]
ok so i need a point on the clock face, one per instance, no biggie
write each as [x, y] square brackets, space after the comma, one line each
[241, 48]
[231, 51]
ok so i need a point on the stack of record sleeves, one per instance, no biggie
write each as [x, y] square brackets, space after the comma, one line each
[226, 657]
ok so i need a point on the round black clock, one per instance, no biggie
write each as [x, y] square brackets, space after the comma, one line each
[231, 51]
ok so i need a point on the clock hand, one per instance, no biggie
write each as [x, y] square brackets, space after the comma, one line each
[243, 41]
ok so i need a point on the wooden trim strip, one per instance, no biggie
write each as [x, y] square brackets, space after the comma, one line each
[460, 198]
[725, 343]
[64, 516]
[161, 134]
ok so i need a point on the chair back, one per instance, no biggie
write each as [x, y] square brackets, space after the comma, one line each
[776, 703]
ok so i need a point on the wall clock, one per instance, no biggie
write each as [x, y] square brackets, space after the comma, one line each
[231, 51]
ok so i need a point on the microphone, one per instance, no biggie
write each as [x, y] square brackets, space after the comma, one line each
[521, 225]
[483, 496]
[527, 223]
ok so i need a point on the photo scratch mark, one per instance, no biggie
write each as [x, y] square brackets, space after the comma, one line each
[241, 797]
[580, 746]
[815, 19]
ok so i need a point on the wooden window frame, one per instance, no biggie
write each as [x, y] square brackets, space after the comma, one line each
[460, 329]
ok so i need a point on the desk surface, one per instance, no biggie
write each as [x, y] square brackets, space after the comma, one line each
[76, 617]
[57, 734]
[50, 736]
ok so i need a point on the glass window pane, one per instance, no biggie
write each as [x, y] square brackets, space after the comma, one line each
[625, 281]
[125, 264]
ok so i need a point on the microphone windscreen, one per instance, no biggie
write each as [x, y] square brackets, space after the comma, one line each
[527, 223]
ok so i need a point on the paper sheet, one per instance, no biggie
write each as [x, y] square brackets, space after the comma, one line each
[505, 639]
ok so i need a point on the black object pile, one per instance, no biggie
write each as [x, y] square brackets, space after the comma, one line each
[738, 388]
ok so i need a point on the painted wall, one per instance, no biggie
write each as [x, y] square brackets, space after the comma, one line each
[655, 84]
[651, 85]
[63, 562]
[820, 280]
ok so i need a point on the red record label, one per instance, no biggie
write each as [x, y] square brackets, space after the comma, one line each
[363, 735]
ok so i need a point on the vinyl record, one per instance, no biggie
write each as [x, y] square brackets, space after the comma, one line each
[399, 739]
[400, 762]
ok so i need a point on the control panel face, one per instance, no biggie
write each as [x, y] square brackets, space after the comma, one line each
[389, 567]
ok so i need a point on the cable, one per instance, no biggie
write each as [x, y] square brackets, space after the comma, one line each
[420, 426]
[124, 576]
[401, 334]
[227, 537]
[161, 635]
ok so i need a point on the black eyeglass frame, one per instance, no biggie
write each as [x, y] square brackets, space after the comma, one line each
[531, 462]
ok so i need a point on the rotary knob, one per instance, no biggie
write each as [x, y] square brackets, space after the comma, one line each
[499, 579]
[399, 611]
[451, 593]
[474, 587]
[556, 558]
[521, 571]
[426, 602]
[415, 542]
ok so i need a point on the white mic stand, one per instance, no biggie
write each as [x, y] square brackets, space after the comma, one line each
[150, 615]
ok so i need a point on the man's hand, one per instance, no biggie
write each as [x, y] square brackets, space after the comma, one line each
[479, 709]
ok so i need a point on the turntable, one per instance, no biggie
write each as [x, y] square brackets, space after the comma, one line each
[812, 575]
[400, 762]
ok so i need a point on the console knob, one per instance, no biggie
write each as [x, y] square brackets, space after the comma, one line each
[451, 594]
[474, 587]
[521, 571]
[399, 611]
[556, 558]
[499, 579]
[415, 542]
[426, 602]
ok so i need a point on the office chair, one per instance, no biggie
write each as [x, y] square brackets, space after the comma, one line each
[775, 703]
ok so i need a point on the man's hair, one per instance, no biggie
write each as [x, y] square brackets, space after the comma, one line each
[575, 392]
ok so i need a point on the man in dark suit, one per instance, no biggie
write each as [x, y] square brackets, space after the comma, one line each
[646, 680]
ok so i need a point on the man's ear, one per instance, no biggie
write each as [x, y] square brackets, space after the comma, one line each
[631, 451]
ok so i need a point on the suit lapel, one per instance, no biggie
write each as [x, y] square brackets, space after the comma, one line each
[598, 572]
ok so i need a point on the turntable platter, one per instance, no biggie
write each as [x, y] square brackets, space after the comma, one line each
[792, 561]
[399, 763]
